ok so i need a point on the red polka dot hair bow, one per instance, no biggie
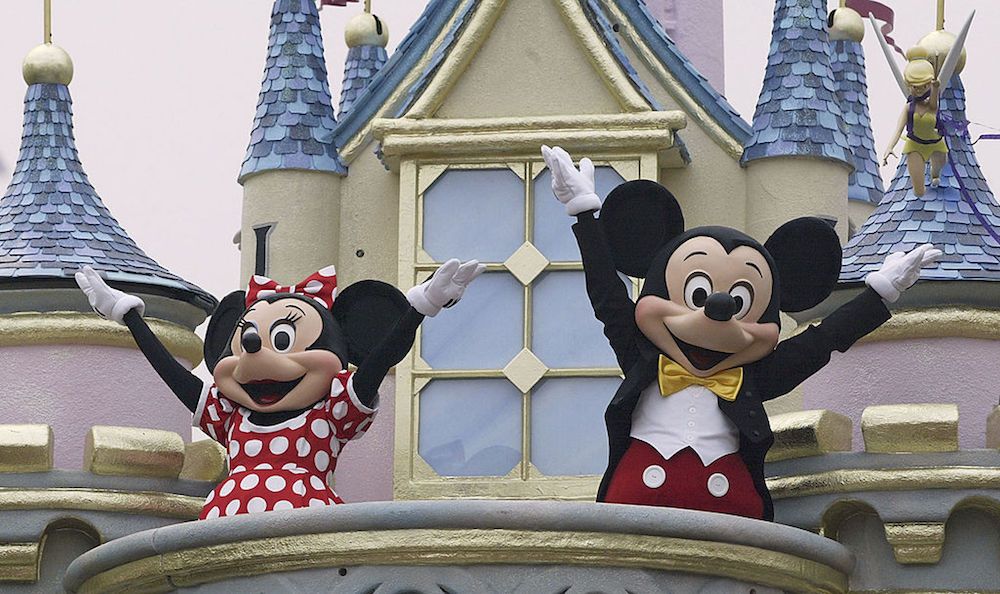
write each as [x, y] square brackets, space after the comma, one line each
[321, 286]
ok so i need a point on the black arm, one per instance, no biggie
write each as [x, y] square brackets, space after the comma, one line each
[799, 357]
[390, 351]
[184, 384]
[608, 295]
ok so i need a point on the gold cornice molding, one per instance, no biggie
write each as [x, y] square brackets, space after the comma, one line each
[140, 503]
[948, 322]
[19, 562]
[916, 543]
[37, 328]
[463, 547]
[904, 479]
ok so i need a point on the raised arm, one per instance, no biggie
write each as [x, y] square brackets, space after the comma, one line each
[127, 310]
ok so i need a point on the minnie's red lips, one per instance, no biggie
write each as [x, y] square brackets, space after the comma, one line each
[268, 392]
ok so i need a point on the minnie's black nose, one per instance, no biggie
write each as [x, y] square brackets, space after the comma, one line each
[251, 341]
[720, 306]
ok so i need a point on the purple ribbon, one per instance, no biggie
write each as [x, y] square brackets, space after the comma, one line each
[948, 126]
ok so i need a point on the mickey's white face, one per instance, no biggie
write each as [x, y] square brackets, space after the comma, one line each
[272, 368]
[711, 323]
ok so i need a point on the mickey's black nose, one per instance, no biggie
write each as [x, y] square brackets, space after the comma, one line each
[720, 306]
[251, 341]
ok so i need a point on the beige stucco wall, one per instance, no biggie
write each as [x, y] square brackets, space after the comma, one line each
[780, 189]
[304, 207]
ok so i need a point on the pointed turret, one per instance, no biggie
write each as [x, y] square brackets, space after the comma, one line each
[798, 127]
[366, 36]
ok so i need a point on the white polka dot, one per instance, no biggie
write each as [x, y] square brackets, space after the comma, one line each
[261, 280]
[334, 447]
[227, 406]
[289, 466]
[283, 505]
[322, 460]
[348, 425]
[339, 410]
[321, 302]
[233, 507]
[265, 293]
[212, 413]
[320, 428]
[314, 286]
[249, 482]
[234, 449]
[278, 445]
[227, 487]
[239, 469]
[330, 270]
[336, 387]
[274, 483]
[299, 488]
[253, 447]
[256, 505]
[264, 466]
[302, 447]
[211, 496]
[212, 513]
[317, 483]
[317, 503]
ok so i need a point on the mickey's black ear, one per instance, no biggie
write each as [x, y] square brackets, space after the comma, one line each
[366, 312]
[807, 253]
[639, 217]
[221, 326]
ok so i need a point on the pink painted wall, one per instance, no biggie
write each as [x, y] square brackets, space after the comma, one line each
[696, 26]
[74, 387]
[364, 469]
[937, 370]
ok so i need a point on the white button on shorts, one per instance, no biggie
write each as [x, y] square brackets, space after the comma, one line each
[654, 476]
[718, 484]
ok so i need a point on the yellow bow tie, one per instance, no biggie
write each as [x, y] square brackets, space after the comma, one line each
[674, 378]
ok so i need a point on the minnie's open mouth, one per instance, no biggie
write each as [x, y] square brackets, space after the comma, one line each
[701, 358]
[268, 392]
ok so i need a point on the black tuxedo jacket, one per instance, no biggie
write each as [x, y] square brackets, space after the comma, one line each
[790, 364]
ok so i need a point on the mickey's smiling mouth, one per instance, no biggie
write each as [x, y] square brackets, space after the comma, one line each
[700, 357]
[267, 392]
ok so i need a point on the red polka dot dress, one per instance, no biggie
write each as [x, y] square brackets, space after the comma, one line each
[284, 466]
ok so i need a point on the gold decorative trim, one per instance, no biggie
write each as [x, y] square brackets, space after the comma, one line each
[809, 433]
[19, 562]
[904, 479]
[204, 460]
[140, 503]
[34, 328]
[993, 429]
[895, 428]
[437, 547]
[133, 451]
[25, 448]
[954, 322]
[917, 542]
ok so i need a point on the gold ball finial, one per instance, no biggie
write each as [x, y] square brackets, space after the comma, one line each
[366, 29]
[938, 44]
[845, 23]
[47, 63]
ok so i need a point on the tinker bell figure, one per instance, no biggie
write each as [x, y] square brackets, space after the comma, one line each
[922, 84]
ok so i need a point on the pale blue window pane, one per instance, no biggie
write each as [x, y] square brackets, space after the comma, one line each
[470, 427]
[476, 213]
[553, 236]
[568, 436]
[483, 331]
[565, 332]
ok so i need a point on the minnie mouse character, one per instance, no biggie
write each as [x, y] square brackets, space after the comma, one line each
[700, 351]
[283, 403]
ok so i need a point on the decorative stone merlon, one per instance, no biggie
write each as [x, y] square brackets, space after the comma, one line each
[129, 451]
[25, 448]
[916, 543]
[809, 433]
[899, 428]
[993, 429]
[204, 460]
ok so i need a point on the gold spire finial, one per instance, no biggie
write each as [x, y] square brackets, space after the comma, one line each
[366, 29]
[48, 22]
[368, 6]
[47, 63]
[940, 15]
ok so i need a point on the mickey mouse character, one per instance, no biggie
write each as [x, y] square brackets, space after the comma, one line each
[283, 403]
[700, 351]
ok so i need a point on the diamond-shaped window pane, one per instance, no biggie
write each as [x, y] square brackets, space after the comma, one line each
[568, 436]
[476, 213]
[553, 236]
[565, 332]
[470, 427]
[483, 331]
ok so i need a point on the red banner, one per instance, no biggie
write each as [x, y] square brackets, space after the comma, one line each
[878, 10]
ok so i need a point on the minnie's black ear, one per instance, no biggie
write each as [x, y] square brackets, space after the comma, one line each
[639, 217]
[367, 312]
[807, 253]
[221, 326]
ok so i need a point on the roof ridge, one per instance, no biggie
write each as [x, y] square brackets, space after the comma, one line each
[847, 60]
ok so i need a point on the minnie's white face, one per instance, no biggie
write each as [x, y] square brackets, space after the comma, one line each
[711, 323]
[272, 368]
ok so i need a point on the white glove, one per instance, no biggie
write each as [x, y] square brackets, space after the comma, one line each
[574, 188]
[900, 271]
[107, 302]
[445, 288]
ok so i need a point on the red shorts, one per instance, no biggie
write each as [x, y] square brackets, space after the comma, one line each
[644, 477]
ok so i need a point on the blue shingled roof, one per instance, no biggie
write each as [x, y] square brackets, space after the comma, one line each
[360, 67]
[847, 59]
[902, 221]
[52, 221]
[604, 26]
[798, 112]
[294, 123]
